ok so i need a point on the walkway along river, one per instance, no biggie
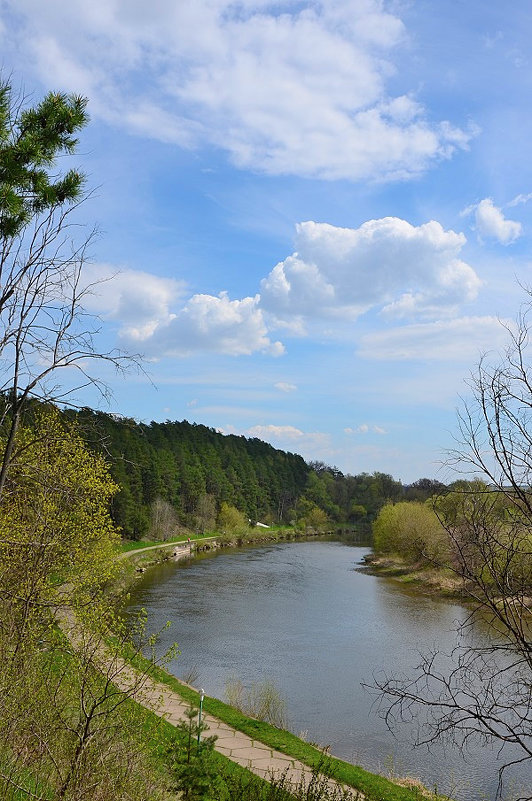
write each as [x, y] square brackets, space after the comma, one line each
[302, 615]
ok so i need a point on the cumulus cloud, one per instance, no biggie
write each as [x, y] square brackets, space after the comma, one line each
[216, 324]
[138, 301]
[299, 88]
[291, 438]
[310, 444]
[336, 274]
[460, 340]
[152, 316]
[490, 222]
[407, 270]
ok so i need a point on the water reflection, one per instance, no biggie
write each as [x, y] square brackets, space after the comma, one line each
[302, 615]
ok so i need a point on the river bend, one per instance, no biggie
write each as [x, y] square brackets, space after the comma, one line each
[302, 615]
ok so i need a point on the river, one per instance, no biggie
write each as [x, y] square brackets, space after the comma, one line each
[302, 615]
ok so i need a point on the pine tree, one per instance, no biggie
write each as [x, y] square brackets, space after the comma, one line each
[195, 772]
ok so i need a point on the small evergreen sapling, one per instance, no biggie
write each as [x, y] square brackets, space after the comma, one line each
[195, 771]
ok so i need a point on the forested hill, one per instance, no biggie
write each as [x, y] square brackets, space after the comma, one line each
[192, 468]
[181, 473]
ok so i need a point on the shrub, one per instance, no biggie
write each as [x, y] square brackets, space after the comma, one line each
[410, 529]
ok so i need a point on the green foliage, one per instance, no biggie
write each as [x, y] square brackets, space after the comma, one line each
[74, 736]
[357, 511]
[464, 498]
[55, 526]
[423, 489]
[310, 516]
[346, 499]
[194, 769]
[231, 520]
[410, 529]
[189, 467]
[57, 547]
[31, 141]
[489, 538]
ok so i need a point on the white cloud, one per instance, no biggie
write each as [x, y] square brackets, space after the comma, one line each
[310, 444]
[491, 222]
[290, 438]
[407, 270]
[283, 386]
[216, 324]
[140, 302]
[335, 274]
[519, 199]
[152, 317]
[461, 340]
[364, 428]
[298, 88]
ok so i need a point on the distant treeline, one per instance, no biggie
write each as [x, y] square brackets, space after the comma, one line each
[180, 474]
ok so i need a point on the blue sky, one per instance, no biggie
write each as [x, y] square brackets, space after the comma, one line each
[315, 214]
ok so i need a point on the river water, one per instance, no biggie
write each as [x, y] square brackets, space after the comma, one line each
[302, 615]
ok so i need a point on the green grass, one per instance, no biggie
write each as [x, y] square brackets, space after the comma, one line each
[30, 785]
[271, 534]
[375, 788]
[134, 545]
[157, 733]
[145, 727]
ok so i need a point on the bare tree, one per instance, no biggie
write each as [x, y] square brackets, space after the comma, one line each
[205, 513]
[44, 327]
[164, 520]
[485, 690]
[67, 717]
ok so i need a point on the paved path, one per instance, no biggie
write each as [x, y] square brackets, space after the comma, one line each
[180, 545]
[233, 744]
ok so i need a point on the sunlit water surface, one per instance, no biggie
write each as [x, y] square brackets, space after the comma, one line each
[302, 615]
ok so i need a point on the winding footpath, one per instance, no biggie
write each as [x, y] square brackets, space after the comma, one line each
[252, 754]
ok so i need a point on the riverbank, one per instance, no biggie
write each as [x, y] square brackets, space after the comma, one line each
[372, 785]
[424, 577]
[147, 553]
[304, 758]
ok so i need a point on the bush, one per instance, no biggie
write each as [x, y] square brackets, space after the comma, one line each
[410, 529]
[231, 520]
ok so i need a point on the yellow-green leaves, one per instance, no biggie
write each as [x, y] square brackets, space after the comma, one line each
[55, 528]
[410, 529]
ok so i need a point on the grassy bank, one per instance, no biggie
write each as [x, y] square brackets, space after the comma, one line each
[143, 743]
[137, 545]
[374, 787]
[158, 735]
[249, 536]
[421, 575]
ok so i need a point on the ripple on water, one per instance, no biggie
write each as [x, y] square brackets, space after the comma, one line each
[301, 615]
